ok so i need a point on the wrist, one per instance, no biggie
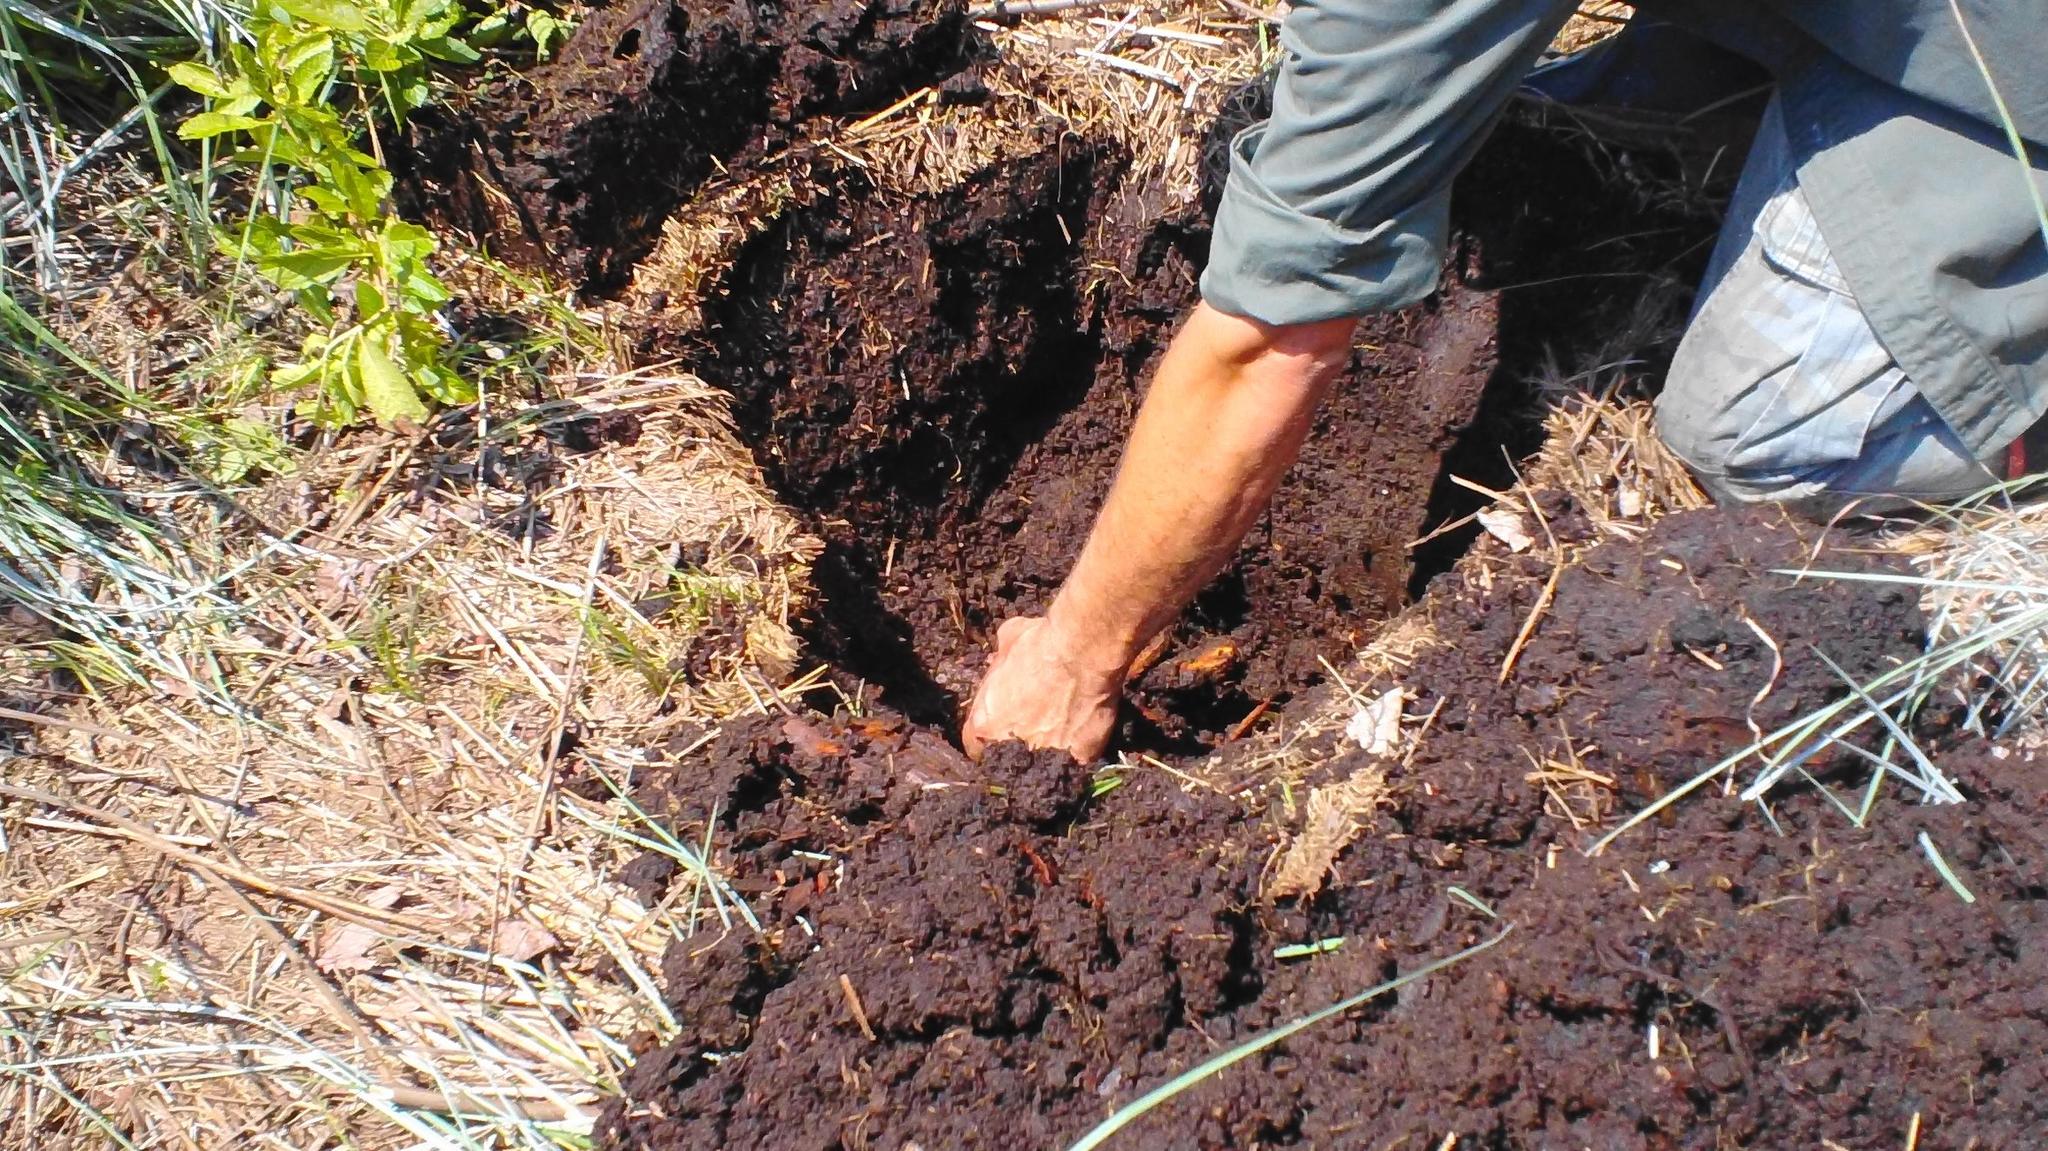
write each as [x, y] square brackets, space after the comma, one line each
[1089, 647]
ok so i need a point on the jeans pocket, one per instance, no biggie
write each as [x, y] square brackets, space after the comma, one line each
[1791, 239]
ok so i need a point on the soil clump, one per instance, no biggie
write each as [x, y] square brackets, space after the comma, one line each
[574, 164]
[962, 956]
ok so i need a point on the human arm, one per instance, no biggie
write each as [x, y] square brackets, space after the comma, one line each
[1226, 415]
[1336, 207]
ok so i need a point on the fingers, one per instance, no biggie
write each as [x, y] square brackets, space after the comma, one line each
[971, 739]
[974, 730]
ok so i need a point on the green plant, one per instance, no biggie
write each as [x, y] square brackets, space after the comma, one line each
[301, 95]
[506, 25]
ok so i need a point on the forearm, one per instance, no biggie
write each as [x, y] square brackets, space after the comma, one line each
[1225, 418]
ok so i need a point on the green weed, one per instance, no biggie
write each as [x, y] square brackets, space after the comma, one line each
[299, 97]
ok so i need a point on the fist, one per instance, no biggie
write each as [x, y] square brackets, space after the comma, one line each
[1037, 692]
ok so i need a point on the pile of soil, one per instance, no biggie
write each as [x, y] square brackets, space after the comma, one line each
[954, 955]
[961, 956]
[575, 164]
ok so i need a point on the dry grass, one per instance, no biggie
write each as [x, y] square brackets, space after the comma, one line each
[1982, 570]
[360, 906]
[1595, 21]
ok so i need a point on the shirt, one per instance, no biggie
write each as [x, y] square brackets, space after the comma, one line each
[1339, 203]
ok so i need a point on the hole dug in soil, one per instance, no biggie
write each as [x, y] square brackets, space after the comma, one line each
[945, 383]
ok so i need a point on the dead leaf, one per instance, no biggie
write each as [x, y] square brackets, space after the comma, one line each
[1149, 657]
[1629, 500]
[345, 947]
[384, 898]
[809, 740]
[1211, 663]
[1508, 527]
[1376, 726]
[519, 941]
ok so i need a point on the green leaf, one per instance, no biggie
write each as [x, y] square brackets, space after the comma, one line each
[327, 200]
[199, 78]
[380, 55]
[309, 65]
[389, 394]
[369, 300]
[239, 101]
[424, 292]
[493, 30]
[296, 271]
[415, 95]
[449, 49]
[407, 241]
[319, 301]
[206, 125]
[333, 14]
[546, 29]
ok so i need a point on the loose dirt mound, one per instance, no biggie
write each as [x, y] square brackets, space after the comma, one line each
[961, 956]
[957, 957]
[576, 163]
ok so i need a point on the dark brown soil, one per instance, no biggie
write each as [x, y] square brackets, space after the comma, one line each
[958, 956]
[946, 381]
[966, 957]
[576, 163]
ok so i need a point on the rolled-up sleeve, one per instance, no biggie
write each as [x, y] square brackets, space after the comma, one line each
[1339, 205]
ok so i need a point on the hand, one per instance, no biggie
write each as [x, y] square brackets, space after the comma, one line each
[1036, 691]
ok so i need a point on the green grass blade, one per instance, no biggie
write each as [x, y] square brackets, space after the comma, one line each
[1955, 882]
[2005, 120]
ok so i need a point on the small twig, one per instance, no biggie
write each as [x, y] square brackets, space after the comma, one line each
[465, 1103]
[68, 725]
[1244, 726]
[1157, 32]
[1146, 71]
[333, 905]
[1507, 665]
[344, 1010]
[1557, 562]
[860, 1015]
[1250, 13]
[1777, 670]
[918, 96]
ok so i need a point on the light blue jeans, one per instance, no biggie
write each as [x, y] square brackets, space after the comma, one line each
[1780, 391]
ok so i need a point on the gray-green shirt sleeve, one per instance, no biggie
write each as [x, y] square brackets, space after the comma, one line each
[1339, 204]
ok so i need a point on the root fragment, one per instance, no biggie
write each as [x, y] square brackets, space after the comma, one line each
[1337, 815]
